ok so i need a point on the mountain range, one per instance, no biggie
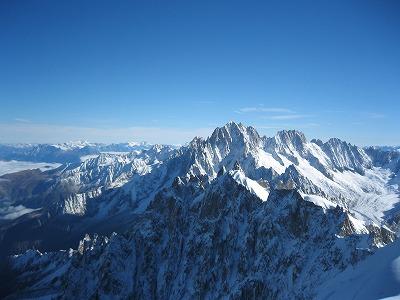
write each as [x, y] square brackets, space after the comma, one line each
[236, 215]
[64, 153]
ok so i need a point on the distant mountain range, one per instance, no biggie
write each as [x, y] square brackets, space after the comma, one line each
[236, 215]
[63, 153]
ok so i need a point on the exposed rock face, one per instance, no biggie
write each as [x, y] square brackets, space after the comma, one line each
[287, 141]
[385, 157]
[345, 156]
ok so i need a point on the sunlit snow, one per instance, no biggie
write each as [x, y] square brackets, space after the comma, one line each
[252, 185]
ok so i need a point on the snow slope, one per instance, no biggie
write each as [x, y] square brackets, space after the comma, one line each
[377, 277]
[252, 185]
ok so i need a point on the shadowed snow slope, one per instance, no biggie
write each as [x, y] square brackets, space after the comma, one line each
[377, 277]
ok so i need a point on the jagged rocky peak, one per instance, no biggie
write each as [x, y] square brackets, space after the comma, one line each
[286, 141]
[386, 156]
[157, 147]
[339, 144]
[227, 144]
[196, 142]
[73, 145]
[237, 167]
[293, 136]
[317, 142]
[346, 156]
[221, 171]
[236, 134]
[159, 151]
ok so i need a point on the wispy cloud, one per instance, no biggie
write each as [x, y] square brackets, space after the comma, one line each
[204, 102]
[374, 115]
[287, 117]
[22, 120]
[288, 126]
[309, 125]
[262, 109]
[274, 113]
[272, 127]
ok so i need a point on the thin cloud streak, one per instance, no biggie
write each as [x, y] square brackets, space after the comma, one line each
[21, 120]
[201, 102]
[288, 126]
[374, 115]
[271, 127]
[264, 109]
[287, 117]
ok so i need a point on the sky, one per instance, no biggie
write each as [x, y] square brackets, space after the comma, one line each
[166, 71]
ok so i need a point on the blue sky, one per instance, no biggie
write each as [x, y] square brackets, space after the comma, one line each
[164, 71]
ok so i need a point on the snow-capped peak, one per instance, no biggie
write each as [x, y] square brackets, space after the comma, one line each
[291, 136]
[235, 134]
[73, 145]
[346, 156]
[137, 144]
[286, 141]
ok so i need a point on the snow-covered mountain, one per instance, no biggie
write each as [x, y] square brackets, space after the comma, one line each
[235, 215]
[69, 152]
[385, 157]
